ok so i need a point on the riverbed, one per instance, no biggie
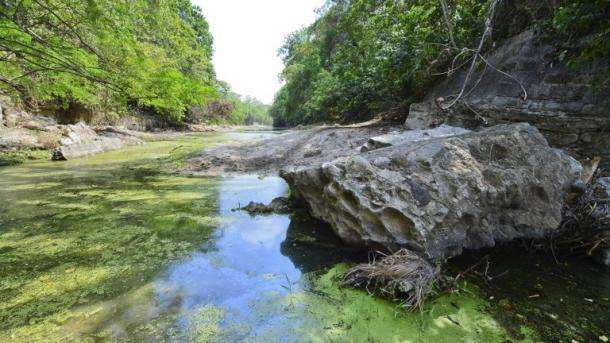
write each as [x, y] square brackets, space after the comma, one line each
[121, 247]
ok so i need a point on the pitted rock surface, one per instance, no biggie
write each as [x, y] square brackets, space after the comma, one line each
[442, 195]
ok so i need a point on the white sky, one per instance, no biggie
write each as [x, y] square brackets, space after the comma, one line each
[247, 35]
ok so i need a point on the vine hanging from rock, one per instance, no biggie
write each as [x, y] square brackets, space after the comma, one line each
[476, 57]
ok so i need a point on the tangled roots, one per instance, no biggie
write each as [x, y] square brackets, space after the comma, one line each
[403, 275]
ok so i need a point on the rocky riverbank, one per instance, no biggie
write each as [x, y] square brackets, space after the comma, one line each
[435, 187]
[434, 192]
[25, 135]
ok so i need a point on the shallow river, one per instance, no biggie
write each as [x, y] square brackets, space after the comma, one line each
[117, 247]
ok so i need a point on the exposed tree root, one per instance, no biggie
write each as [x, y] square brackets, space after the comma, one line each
[404, 275]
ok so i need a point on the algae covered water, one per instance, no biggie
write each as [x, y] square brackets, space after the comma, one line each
[117, 247]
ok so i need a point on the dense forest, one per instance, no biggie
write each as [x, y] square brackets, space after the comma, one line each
[363, 57]
[112, 57]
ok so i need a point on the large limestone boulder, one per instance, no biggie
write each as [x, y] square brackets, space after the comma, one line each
[441, 195]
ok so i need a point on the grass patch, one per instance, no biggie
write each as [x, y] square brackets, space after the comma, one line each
[12, 158]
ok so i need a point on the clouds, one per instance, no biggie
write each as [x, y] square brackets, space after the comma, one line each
[247, 35]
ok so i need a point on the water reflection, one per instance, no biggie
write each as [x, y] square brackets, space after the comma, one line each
[245, 270]
[243, 263]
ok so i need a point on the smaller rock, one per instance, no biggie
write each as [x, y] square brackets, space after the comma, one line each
[312, 152]
[421, 116]
[58, 156]
[602, 186]
[81, 140]
[279, 205]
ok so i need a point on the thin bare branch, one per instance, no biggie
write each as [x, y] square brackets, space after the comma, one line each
[486, 32]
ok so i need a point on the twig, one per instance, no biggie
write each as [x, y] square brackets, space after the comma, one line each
[486, 32]
[486, 257]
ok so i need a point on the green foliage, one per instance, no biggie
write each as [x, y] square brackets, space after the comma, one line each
[583, 30]
[365, 56]
[362, 57]
[249, 111]
[106, 54]
[230, 108]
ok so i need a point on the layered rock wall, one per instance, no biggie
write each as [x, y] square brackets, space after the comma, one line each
[561, 102]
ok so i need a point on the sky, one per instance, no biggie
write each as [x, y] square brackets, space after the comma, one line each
[247, 35]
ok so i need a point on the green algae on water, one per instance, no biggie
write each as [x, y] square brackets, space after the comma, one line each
[84, 242]
[327, 312]
[80, 232]
[345, 314]
[12, 158]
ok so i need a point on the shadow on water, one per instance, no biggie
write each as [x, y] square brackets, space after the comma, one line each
[98, 251]
[562, 298]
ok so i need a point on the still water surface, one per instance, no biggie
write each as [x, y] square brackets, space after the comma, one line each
[117, 247]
